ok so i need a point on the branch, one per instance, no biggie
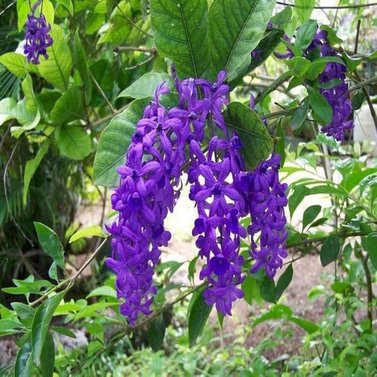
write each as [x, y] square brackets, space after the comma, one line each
[368, 278]
[355, 6]
[110, 106]
[133, 48]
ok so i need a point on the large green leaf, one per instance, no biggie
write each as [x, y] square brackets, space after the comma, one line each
[24, 362]
[69, 107]
[48, 356]
[303, 9]
[199, 313]
[15, 63]
[320, 106]
[235, 29]
[257, 143]
[156, 332]
[31, 167]
[180, 34]
[73, 142]
[114, 142]
[41, 323]
[57, 68]
[146, 85]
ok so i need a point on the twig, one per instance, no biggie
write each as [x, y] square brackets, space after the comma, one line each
[362, 84]
[357, 36]
[7, 7]
[133, 48]
[279, 81]
[368, 278]
[355, 6]
[110, 106]
[139, 64]
[134, 24]
[108, 117]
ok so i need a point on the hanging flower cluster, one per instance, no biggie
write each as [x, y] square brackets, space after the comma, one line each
[334, 85]
[167, 141]
[37, 36]
[337, 95]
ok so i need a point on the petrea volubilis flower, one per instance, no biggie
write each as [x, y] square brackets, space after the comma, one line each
[37, 35]
[337, 95]
[149, 187]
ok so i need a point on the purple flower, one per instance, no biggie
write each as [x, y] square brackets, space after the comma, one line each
[338, 95]
[37, 37]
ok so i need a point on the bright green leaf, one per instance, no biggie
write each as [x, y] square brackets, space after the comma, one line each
[103, 291]
[180, 34]
[146, 85]
[298, 65]
[235, 29]
[114, 143]
[88, 232]
[73, 142]
[304, 8]
[305, 34]
[320, 106]
[15, 63]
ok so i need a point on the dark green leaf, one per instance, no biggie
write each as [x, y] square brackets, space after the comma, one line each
[299, 116]
[64, 331]
[51, 245]
[114, 143]
[318, 65]
[319, 222]
[156, 332]
[310, 214]
[304, 9]
[280, 145]
[31, 167]
[330, 249]
[146, 85]
[267, 290]
[257, 143]
[24, 363]
[331, 35]
[305, 34]
[235, 29]
[357, 100]
[297, 197]
[81, 63]
[69, 107]
[192, 268]
[198, 316]
[283, 282]
[369, 243]
[48, 356]
[24, 312]
[73, 142]
[247, 288]
[320, 106]
[41, 324]
[180, 34]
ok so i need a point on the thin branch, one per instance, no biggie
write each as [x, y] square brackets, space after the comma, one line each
[355, 6]
[134, 24]
[368, 278]
[357, 36]
[110, 106]
[133, 48]
[7, 7]
[139, 64]
[362, 84]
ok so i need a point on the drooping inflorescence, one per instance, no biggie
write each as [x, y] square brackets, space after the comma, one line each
[191, 136]
[337, 94]
[37, 35]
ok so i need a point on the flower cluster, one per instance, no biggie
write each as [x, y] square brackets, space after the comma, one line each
[337, 94]
[37, 37]
[165, 142]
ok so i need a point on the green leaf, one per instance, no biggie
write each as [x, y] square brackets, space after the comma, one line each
[31, 167]
[80, 60]
[48, 356]
[296, 198]
[310, 215]
[331, 35]
[41, 323]
[69, 107]
[304, 9]
[27, 286]
[198, 316]
[278, 311]
[298, 65]
[257, 143]
[24, 9]
[330, 249]
[156, 332]
[282, 18]
[320, 106]
[192, 268]
[24, 362]
[57, 68]
[64, 331]
[305, 34]
[73, 142]
[235, 29]
[352, 63]
[15, 63]
[283, 282]
[299, 116]
[88, 232]
[309, 326]
[267, 290]
[146, 85]
[318, 65]
[247, 288]
[10, 326]
[114, 142]
[369, 243]
[357, 100]
[103, 291]
[24, 312]
[52, 246]
[180, 34]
